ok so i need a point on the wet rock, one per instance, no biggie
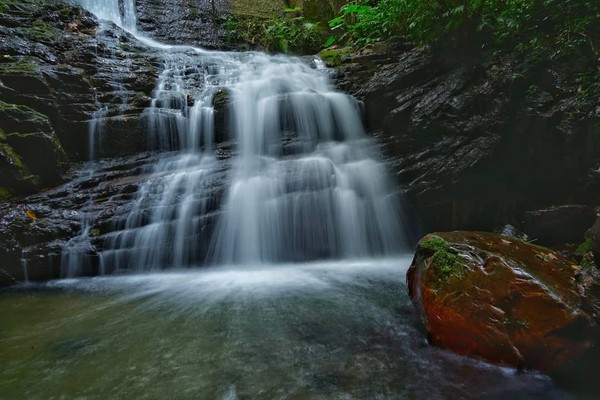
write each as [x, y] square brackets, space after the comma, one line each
[221, 104]
[57, 62]
[477, 141]
[502, 300]
[593, 234]
[35, 230]
[563, 224]
[199, 22]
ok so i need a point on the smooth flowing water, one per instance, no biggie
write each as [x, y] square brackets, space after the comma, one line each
[334, 330]
[306, 183]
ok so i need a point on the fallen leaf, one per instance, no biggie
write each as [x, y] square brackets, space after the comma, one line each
[31, 214]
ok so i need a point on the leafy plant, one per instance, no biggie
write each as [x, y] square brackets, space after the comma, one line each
[584, 248]
[287, 35]
[563, 26]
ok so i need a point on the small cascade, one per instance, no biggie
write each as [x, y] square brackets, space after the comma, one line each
[24, 265]
[305, 182]
[181, 115]
[75, 257]
[121, 13]
[95, 128]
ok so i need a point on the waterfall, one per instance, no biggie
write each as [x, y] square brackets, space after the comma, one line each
[305, 182]
[121, 12]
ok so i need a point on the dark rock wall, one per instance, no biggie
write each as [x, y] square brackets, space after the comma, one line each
[476, 142]
[192, 22]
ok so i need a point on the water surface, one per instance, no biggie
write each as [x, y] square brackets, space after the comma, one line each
[335, 330]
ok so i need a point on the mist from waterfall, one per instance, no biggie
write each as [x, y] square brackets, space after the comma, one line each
[305, 181]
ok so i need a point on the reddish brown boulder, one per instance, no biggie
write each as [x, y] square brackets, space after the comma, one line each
[501, 299]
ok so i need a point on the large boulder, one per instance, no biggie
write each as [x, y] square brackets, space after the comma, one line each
[502, 300]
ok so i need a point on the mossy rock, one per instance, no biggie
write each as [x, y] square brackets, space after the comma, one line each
[221, 102]
[319, 10]
[20, 118]
[40, 31]
[257, 8]
[334, 57]
[23, 74]
[502, 300]
[30, 147]
[14, 176]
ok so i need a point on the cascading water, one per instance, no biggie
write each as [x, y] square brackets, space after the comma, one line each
[111, 10]
[304, 184]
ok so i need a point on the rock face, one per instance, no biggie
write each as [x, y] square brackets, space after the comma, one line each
[502, 300]
[193, 22]
[555, 225]
[58, 69]
[30, 153]
[477, 140]
[593, 234]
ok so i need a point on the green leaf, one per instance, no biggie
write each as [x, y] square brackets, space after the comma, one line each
[329, 41]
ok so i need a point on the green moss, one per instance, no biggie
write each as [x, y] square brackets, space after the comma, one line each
[42, 32]
[220, 98]
[434, 244]
[585, 247]
[523, 323]
[33, 114]
[334, 57]
[444, 259]
[586, 263]
[5, 193]
[21, 66]
[12, 157]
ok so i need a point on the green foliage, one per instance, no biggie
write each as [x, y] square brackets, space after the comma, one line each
[584, 248]
[434, 244]
[363, 23]
[286, 35]
[563, 26]
[586, 263]
[444, 258]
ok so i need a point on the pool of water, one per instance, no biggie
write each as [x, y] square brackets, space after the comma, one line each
[343, 330]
